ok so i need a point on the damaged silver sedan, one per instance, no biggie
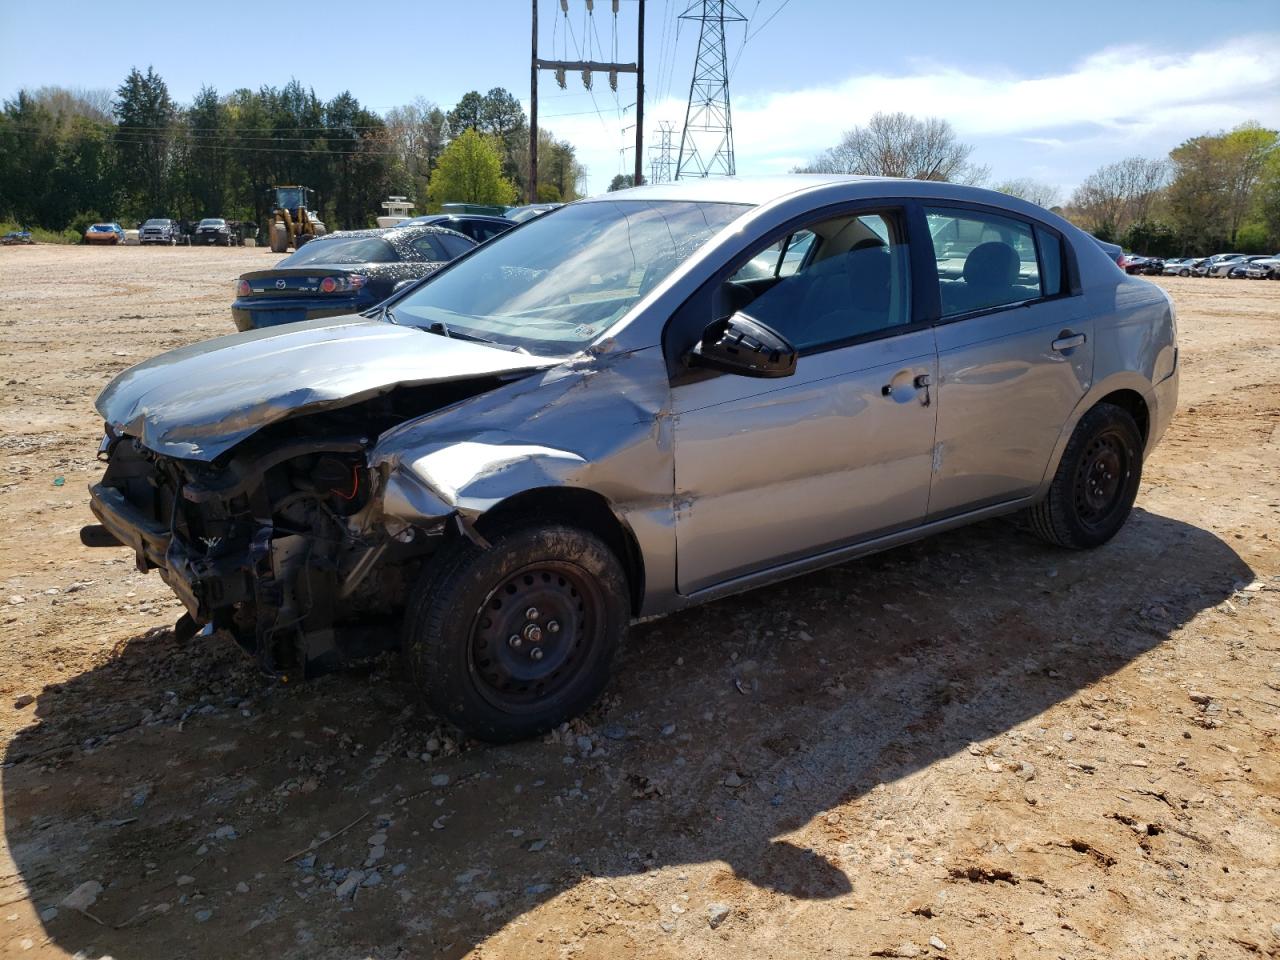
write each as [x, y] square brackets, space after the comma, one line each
[633, 404]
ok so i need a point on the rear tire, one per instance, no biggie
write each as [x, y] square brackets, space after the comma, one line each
[1096, 483]
[279, 238]
[478, 656]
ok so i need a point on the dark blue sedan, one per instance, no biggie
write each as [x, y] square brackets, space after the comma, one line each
[343, 273]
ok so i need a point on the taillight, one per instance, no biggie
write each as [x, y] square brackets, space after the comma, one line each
[347, 284]
[243, 289]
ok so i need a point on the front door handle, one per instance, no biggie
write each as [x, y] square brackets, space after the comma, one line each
[1068, 341]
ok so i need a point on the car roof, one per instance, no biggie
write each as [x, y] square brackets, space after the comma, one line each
[398, 232]
[429, 218]
[753, 190]
[838, 188]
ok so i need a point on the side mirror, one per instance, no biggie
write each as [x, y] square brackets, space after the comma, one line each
[743, 345]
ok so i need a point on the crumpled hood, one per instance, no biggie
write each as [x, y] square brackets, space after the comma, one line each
[199, 401]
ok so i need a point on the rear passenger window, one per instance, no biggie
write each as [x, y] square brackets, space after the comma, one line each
[1050, 261]
[454, 246]
[984, 260]
[427, 247]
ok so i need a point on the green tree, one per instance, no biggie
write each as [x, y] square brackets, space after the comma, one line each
[470, 171]
[499, 115]
[621, 181]
[358, 142]
[1219, 182]
[417, 134]
[146, 119]
[208, 159]
[1269, 199]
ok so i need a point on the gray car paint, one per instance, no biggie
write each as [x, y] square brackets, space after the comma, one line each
[199, 401]
[609, 422]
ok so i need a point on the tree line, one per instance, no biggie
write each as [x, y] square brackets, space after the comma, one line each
[1213, 192]
[69, 157]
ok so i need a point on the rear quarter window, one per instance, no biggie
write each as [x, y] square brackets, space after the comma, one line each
[1051, 261]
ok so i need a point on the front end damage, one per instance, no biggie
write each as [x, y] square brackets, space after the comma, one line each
[281, 542]
[292, 497]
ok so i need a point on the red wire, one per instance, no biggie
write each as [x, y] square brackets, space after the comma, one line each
[355, 476]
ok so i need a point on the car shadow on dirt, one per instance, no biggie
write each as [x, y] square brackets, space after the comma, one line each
[185, 784]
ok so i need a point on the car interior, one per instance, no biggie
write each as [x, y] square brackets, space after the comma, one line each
[836, 280]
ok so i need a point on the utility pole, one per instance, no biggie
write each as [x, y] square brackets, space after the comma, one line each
[639, 177]
[533, 111]
[707, 118]
[586, 68]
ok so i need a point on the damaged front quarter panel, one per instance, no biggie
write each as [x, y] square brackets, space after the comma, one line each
[598, 426]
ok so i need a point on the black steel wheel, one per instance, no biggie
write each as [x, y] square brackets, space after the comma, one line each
[529, 640]
[1096, 482]
[1101, 474]
[510, 641]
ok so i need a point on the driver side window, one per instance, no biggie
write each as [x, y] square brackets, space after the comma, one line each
[837, 280]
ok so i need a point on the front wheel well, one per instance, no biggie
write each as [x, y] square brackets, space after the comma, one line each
[1133, 404]
[580, 508]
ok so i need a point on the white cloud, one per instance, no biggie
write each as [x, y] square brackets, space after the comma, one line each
[1119, 101]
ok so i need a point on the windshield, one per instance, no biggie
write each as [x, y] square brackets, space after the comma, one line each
[212, 223]
[560, 281]
[156, 223]
[290, 197]
[103, 228]
[337, 250]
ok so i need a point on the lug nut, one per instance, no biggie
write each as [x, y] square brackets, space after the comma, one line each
[531, 613]
[514, 641]
[535, 653]
[532, 632]
[553, 626]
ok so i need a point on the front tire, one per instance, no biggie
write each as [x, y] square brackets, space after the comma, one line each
[1097, 481]
[512, 641]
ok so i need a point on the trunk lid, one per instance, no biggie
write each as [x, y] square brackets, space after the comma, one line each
[295, 282]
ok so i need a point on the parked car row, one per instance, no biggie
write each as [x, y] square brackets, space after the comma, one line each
[1237, 266]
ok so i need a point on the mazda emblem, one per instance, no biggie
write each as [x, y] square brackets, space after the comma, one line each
[279, 284]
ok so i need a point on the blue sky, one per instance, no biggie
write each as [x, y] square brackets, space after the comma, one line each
[1049, 91]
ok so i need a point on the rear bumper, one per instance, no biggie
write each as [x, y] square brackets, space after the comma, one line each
[1166, 392]
[256, 314]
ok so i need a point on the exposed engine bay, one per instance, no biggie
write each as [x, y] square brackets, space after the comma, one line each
[280, 541]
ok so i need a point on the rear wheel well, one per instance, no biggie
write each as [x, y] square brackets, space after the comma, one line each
[1132, 403]
[580, 508]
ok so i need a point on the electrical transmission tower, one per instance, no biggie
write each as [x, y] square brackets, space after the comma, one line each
[706, 144]
[662, 165]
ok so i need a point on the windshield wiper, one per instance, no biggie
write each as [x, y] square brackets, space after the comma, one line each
[439, 327]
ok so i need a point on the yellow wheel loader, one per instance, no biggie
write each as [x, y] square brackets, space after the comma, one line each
[291, 224]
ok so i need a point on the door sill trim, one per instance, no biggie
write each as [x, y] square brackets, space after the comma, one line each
[795, 568]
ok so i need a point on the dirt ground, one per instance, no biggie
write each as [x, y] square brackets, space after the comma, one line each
[976, 746]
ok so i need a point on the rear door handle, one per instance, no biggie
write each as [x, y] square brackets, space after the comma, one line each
[1068, 341]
